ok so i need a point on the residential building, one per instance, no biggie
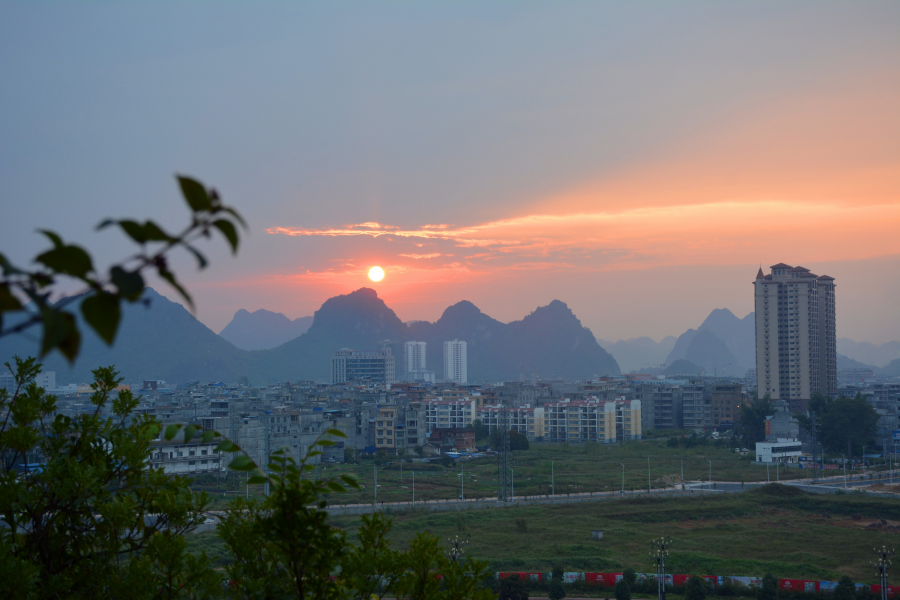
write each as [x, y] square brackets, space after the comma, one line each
[696, 408]
[376, 367]
[660, 406]
[414, 356]
[196, 456]
[781, 424]
[726, 405]
[453, 440]
[602, 421]
[796, 351]
[455, 362]
[390, 429]
[527, 420]
[444, 414]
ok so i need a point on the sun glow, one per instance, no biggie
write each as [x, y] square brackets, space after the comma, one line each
[376, 273]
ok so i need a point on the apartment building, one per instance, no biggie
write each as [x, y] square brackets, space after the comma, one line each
[390, 429]
[696, 407]
[602, 421]
[796, 343]
[445, 414]
[726, 405]
[456, 362]
[196, 456]
[661, 406]
[527, 420]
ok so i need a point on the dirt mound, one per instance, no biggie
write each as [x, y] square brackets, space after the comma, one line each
[780, 491]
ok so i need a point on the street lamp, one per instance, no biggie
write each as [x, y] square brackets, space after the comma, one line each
[649, 486]
[659, 557]
[623, 478]
[709, 485]
[881, 564]
[844, 461]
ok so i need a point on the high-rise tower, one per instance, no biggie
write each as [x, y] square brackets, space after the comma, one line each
[455, 361]
[796, 353]
[414, 356]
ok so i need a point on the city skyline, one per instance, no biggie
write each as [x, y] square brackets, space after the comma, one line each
[508, 155]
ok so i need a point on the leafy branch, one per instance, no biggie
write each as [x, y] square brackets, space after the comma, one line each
[102, 308]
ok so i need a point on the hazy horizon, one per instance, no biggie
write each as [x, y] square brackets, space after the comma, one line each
[637, 161]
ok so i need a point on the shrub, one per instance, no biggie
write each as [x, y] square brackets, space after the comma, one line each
[696, 589]
[623, 592]
[769, 588]
[513, 588]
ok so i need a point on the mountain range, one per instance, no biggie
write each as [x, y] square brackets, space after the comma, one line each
[263, 329]
[164, 341]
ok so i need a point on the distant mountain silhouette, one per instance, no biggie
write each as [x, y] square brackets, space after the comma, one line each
[737, 348]
[159, 341]
[868, 353]
[637, 353]
[844, 362]
[263, 329]
[892, 369]
[550, 342]
[166, 342]
[682, 367]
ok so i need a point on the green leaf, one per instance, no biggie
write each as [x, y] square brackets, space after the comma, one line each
[170, 277]
[194, 193]
[229, 231]
[60, 332]
[227, 446]
[103, 313]
[8, 302]
[336, 487]
[236, 215]
[190, 432]
[257, 479]
[154, 233]
[208, 436]
[336, 433]
[242, 463]
[70, 260]
[54, 237]
[201, 260]
[134, 230]
[172, 431]
[130, 284]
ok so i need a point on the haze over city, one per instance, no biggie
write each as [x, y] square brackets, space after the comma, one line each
[637, 161]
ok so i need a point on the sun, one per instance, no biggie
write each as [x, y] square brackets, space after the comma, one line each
[376, 273]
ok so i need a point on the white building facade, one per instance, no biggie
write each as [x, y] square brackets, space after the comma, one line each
[414, 356]
[456, 362]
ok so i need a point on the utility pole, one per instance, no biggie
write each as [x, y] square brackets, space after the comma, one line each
[623, 478]
[375, 470]
[710, 474]
[267, 450]
[414, 487]
[504, 475]
[649, 485]
[881, 564]
[552, 481]
[659, 557]
[844, 460]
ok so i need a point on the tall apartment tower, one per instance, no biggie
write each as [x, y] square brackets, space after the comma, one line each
[455, 361]
[414, 356]
[796, 352]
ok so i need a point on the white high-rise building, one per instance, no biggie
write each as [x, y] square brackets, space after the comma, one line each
[414, 356]
[796, 344]
[455, 362]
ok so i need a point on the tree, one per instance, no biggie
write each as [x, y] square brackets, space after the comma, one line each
[672, 442]
[92, 515]
[696, 589]
[623, 592]
[481, 432]
[769, 588]
[513, 588]
[517, 441]
[556, 590]
[842, 420]
[753, 419]
[630, 577]
[101, 296]
[845, 590]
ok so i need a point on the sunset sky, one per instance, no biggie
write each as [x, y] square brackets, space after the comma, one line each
[638, 161]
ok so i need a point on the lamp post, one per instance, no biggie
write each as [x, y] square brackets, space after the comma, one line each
[552, 482]
[375, 469]
[649, 486]
[844, 461]
[881, 564]
[414, 487]
[709, 485]
[623, 478]
[512, 482]
[659, 557]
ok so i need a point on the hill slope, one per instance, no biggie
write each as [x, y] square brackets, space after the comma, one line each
[263, 329]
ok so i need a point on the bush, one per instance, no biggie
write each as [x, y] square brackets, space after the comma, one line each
[630, 577]
[845, 589]
[556, 591]
[513, 588]
[623, 592]
[522, 525]
[696, 589]
[769, 588]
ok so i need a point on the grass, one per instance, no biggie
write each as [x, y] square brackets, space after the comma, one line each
[775, 529]
[780, 531]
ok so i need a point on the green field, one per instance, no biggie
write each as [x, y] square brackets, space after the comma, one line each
[575, 468]
[777, 529]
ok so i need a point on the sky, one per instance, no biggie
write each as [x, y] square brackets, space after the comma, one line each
[638, 161]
